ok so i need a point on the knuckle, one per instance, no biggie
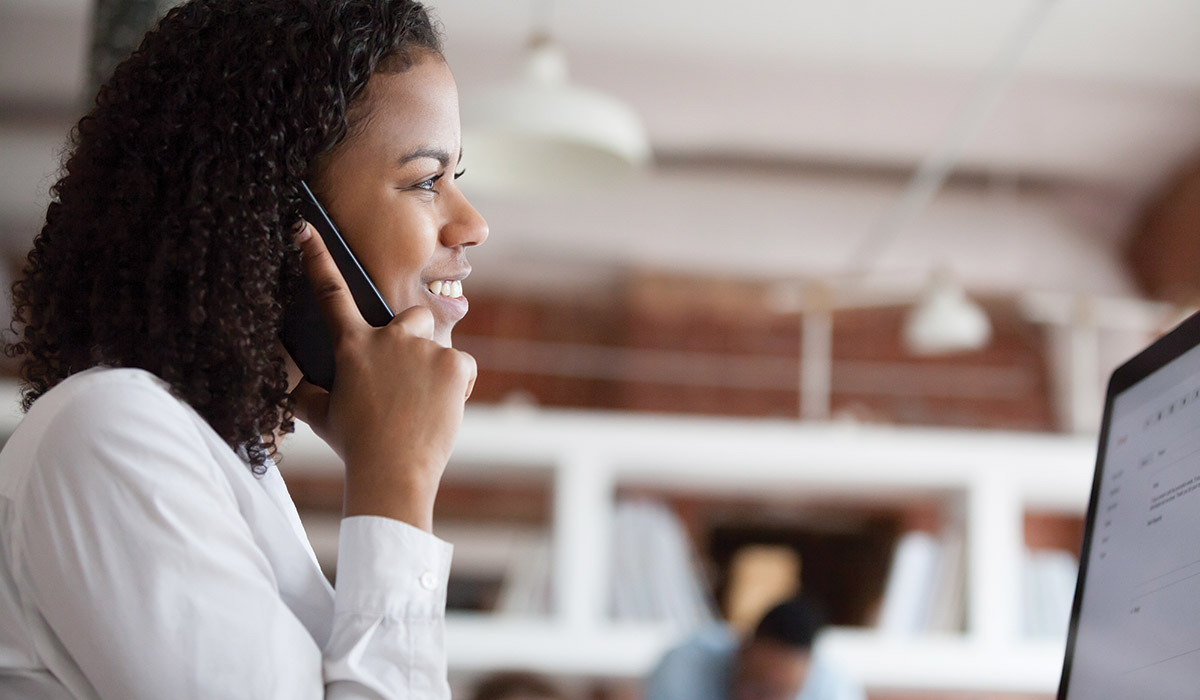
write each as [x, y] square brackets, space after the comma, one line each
[345, 348]
[316, 257]
[462, 364]
[324, 284]
[398, 333]
[420, 318]
[416, 322]
[402, 321]
[444, 361]
[326, 288]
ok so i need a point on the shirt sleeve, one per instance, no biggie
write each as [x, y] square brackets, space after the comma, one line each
[828, 681]
[139, 563]
[391, 605]
[698, 669]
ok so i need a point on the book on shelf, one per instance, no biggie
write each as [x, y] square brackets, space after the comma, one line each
[525, 591]
[925, 589]
[654, 574]
[1048, 588]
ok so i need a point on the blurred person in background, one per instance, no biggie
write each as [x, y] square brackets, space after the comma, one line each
[775, 662]
[517, 685]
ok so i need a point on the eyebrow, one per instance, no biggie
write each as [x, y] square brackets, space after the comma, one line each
[442, 157]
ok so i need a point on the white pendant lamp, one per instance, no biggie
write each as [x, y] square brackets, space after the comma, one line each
[542, 133]
[946, 320]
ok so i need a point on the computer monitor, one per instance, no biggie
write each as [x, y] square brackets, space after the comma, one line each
[1135, 622]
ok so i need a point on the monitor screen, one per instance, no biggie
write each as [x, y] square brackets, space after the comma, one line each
[1137, 632]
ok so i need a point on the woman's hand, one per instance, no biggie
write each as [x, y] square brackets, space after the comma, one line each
[396, 403]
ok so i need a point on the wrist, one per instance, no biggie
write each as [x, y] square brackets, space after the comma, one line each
[398, 497]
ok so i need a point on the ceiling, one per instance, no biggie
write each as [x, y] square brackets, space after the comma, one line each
[1107, 91]
[783, 130]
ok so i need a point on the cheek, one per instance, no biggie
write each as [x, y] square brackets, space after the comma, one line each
[399, 246]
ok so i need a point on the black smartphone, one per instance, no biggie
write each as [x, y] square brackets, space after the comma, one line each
[305, 334]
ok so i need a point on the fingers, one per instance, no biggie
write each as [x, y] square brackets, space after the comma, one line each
[329, 287]
[311, 404]
[416, 321]
[472, 371]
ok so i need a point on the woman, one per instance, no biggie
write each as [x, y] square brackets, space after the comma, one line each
[148, 548]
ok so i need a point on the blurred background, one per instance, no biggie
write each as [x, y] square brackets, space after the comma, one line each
[781, 295]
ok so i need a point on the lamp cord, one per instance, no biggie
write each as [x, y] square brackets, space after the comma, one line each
[541, 14]
[933, 171]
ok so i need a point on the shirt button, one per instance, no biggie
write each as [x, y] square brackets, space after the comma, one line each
[428, 581]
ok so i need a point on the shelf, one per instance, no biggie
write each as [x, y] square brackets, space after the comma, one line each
[480, 643]
[483, 643]
[1050, 472]
[947, 663]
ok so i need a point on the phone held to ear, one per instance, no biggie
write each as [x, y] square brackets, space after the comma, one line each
[305, 334]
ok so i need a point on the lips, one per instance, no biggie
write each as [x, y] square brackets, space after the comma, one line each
[448, 304]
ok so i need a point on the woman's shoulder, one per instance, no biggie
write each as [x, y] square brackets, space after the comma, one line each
[101, 410]
[104, 390]
[96, 428]
[110, 400]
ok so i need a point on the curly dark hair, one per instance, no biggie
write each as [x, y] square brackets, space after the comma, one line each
[168, 244]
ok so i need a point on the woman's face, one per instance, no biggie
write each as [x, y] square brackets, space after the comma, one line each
[390, 188]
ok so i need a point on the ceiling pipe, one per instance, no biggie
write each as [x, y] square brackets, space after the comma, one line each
[946, 320]
[937, 166]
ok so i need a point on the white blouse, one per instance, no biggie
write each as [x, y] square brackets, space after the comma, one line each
[141, 558]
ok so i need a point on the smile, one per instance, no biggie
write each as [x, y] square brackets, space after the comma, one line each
[445, 288]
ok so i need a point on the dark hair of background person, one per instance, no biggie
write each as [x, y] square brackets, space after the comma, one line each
[509, 685]
[794, 622]
[168, 242]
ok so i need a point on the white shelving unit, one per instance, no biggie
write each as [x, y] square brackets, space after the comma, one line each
[996, 476]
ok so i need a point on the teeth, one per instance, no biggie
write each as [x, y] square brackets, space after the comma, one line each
[446, 288]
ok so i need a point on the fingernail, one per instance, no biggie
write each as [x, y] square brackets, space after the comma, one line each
[304, 234]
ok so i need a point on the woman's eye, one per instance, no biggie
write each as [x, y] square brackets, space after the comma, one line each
[428, 184]
[460, 173]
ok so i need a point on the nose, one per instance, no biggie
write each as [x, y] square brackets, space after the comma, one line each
[466, 226]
